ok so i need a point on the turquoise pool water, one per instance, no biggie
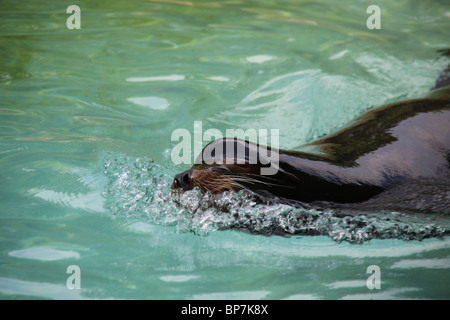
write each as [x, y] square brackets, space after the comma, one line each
[86, 118]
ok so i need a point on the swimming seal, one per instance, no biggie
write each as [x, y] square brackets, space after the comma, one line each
[397, 144]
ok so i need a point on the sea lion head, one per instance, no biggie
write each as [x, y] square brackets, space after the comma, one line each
[231, 164]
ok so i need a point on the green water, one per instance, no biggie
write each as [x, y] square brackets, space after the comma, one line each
[86, 118]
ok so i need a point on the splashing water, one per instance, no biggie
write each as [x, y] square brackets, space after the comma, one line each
[138, 188]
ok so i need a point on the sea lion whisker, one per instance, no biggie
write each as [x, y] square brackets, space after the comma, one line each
[215, 182]
[213, 185]
[265, 177]
[223, 186]
[206, 184]
[240, 186]
[242, 179]
[256, 181]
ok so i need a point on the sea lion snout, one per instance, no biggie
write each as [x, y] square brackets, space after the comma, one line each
[183, 180]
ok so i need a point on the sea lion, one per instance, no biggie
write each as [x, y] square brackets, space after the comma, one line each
[396, 144]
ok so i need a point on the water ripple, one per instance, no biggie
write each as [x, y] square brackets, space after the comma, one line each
[44, 254]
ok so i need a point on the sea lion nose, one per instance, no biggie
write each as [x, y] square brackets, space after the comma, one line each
[182, 181]
[176, 184]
